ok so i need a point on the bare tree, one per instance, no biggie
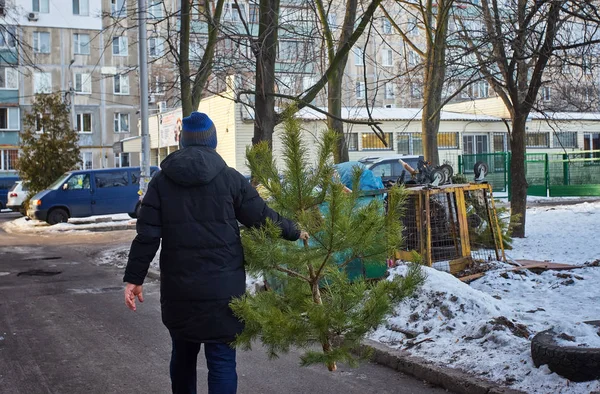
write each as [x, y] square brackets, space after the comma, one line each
[523, 39]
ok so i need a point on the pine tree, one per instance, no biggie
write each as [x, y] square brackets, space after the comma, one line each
[311, 300]
[46, 155]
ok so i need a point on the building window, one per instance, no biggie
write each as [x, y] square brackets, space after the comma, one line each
[360, 90]
[413, 26]
[537, 140]
[499, 142]
[87, 161]
[254, 13]
[122, 160]
[155, 47]
[286, 85]
[564, 139]
[9, 78]
[387, 26]
[413, 58]
[81, 44]
[358, 56]
[389, 90]
[117, 8]
[481, 89]
[81, 7]
[119, 45]
[84, 123]
[9, 118]
[41, 6]
[387, 57]
[8, 37]
[155, 9]
[308, 82]
[121, 84]
[415, 90]
[158, 88]
[8, 159]
[290, 51]
[447, 140]
[41, 42]
[352, 141]
[410, 144]
[42, 82]
[232, 12]
[83, 82]
[372, 142]
[546, 93]
[121, 123]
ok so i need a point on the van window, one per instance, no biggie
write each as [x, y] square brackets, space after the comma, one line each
[7, 183]
[79, 182]
[135, 175]
[111, 179]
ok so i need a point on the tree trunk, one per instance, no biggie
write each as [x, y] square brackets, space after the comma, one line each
[265, 117]
[184, 60]
[316, 292]
[433, 81]
[334, 107]
[518, 187]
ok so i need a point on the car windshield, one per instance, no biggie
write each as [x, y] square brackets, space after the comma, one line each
[59, 182]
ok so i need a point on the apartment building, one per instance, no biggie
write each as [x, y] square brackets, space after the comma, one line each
[80, 49]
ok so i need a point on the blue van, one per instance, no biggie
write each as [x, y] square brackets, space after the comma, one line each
[6, 183]
[88, 192]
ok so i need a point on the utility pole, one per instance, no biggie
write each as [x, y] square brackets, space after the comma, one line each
[143, 78]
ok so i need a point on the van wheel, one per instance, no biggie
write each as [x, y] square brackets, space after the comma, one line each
[57, 215]
[136, 212]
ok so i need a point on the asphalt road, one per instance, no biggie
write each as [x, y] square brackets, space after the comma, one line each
[65, 329]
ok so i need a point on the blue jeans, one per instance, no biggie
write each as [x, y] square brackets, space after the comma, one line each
[220, 360]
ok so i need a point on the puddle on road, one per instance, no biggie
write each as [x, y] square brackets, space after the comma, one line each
[39, 272]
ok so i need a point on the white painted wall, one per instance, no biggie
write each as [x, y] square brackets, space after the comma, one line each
[60, 14]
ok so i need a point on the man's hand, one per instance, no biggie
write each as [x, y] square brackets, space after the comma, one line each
[132, 291]
[304, 236]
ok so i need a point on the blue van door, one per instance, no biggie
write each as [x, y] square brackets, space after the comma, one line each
[77, 195]
[112, 192]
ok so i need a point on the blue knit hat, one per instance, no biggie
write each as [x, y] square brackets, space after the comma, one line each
[198, 130]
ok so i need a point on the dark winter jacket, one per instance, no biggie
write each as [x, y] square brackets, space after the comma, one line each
[194, 204]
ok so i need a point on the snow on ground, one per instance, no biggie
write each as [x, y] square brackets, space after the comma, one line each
[562, 234]
[486, 327]
[24, 224]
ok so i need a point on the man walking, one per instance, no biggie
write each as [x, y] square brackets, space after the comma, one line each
[194, 204]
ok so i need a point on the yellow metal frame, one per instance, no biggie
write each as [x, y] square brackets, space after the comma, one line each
[423, 216]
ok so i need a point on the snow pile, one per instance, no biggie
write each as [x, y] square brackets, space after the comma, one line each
[486, 327]
[25, 224]
[562, 234]
[118, 258]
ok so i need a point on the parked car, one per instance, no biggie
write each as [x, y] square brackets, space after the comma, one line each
[389, 167]
[88, 192]
[16, 196]
[6, 183]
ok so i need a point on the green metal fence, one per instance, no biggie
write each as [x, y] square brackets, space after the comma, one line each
[557, 175]
[536, 174]
[574, 174]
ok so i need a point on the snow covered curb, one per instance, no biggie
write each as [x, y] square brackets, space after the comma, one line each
[94, 223]
[451, 379]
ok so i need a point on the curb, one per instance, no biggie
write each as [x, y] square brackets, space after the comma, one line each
[451, 379]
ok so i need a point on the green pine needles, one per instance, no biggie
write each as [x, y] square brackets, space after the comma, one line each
[312, 300]
[49, 145]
